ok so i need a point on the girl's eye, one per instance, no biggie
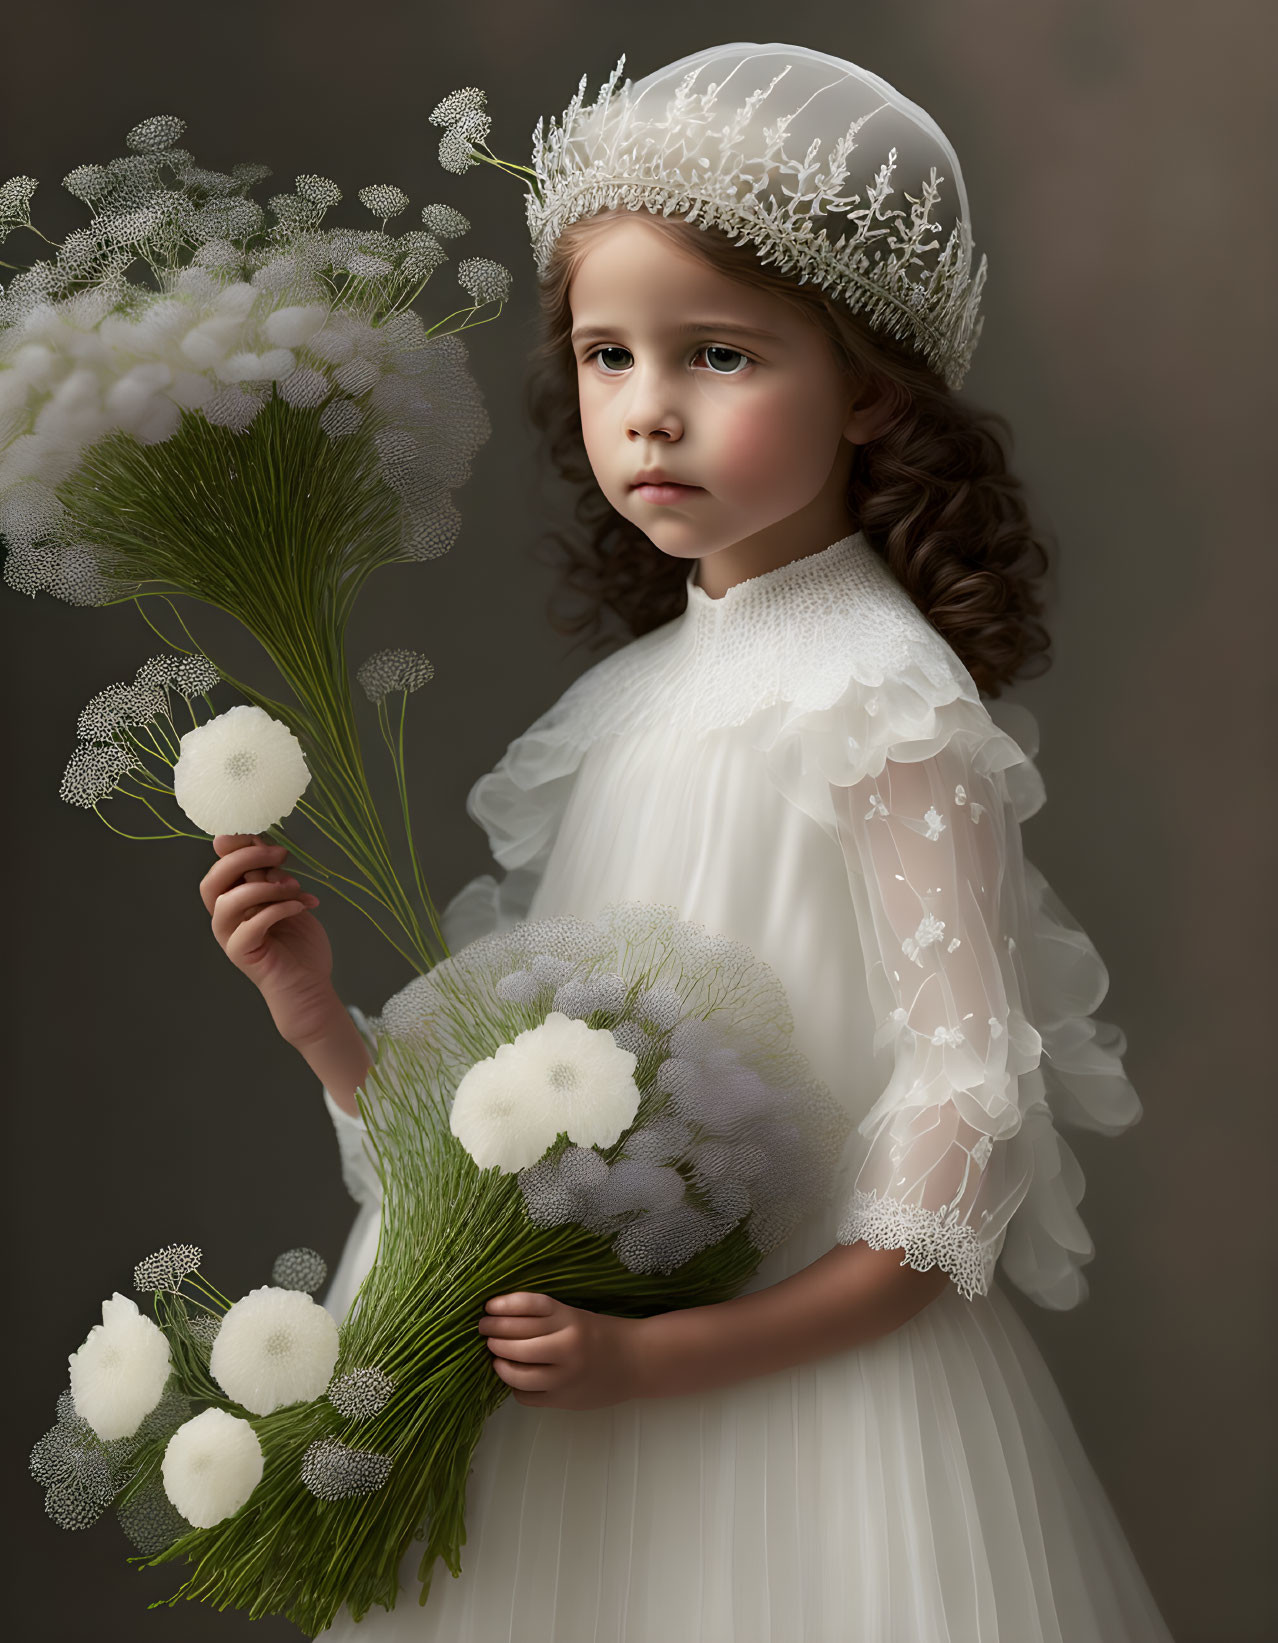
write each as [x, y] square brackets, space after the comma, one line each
[721, 359]
[715, 355]
[612, 349]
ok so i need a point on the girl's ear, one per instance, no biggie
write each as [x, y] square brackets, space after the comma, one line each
[868, 414]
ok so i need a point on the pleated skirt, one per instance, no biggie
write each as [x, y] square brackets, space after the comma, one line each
[929, 1487]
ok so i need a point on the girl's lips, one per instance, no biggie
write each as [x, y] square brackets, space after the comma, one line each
[665, 492]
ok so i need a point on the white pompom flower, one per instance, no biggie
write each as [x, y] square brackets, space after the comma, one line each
[211, 1466]
[239, 772]
[558, 1076]
[117, 1376]
[275, 1347]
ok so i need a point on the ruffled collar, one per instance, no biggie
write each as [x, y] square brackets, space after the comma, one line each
[795, 635]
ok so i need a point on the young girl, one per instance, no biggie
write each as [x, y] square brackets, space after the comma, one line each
[749, 362]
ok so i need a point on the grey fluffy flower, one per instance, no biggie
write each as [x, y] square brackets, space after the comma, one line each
[391, 670]
[384, 199]
[301, 1268]
[483, 279]
[167, 1267]
[445, 221]
[458, 104]
[333, 1471]
[158, 132]
[362, 1393]
[94, 771]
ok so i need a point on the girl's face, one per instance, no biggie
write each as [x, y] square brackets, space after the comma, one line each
[727, 390]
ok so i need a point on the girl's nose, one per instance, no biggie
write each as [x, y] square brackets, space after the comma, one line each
[651, 409]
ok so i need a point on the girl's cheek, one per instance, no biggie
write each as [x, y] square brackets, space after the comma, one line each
[753, 446]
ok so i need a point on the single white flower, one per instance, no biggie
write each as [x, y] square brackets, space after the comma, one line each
[559, 1076]
[117, 1376]
[275, 1346]
[211, 1466]
[240, 772]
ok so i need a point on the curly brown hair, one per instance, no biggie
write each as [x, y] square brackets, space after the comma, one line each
[931, 493]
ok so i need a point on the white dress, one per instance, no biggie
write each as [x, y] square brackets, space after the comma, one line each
[928, 1487]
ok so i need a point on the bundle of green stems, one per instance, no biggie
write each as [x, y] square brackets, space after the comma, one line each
[451, 1236]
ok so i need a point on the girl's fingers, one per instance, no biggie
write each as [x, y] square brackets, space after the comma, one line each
[251, 934]
[528, 1350]
[527, 1377]
[236, 906]
[247, 865]
[513, 1329]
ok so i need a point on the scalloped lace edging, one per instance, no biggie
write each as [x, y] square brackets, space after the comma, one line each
[926, 1236]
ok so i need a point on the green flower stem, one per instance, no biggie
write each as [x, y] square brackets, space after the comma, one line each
[142, 775]
[336, 715]
[486, 155]
[198, 1281]
[142, 799]
[468, 324]
[173, 832]
[276, 709]
[401, 782]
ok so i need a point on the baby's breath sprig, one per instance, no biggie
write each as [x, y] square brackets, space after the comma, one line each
[466, 121]
[127, 730]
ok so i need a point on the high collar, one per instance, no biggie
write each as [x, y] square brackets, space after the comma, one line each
[838, 573]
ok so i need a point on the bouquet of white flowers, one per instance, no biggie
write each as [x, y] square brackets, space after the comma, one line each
[612, 1110]
[252, 415]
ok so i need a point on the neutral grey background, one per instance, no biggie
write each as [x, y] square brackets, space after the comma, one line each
[1114, 156]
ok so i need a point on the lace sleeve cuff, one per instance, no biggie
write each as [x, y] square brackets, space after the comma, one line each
[928, 1238]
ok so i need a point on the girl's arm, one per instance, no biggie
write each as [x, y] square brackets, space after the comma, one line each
[849, 1297]
[337, 1055]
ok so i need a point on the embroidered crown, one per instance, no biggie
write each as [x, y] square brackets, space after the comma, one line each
[739, 137]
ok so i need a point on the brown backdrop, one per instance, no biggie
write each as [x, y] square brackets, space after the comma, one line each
[1113, 155]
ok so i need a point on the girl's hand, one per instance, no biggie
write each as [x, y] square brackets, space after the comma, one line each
[561, 1357]
[262, 922]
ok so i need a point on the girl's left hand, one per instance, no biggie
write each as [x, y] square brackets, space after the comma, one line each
[561, 1357]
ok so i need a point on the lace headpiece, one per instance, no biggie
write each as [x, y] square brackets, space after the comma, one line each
[790, 150]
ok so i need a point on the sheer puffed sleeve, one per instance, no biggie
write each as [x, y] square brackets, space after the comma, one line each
[933, 860]
[520, 804]
[980, 981]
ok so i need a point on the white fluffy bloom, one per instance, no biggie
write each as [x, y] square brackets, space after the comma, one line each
[276, 1346]
[240, 772]
[211, 1466]
[117, 1376]
[558, 1076]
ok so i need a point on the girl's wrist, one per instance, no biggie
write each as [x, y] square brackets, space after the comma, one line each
[661, 1344]
[339, 1058]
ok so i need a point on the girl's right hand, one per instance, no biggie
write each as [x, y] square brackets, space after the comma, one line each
[263, 923]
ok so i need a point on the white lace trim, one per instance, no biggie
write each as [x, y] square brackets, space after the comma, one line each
[927, 1237]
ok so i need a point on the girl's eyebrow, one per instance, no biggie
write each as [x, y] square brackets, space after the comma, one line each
[590, 333]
